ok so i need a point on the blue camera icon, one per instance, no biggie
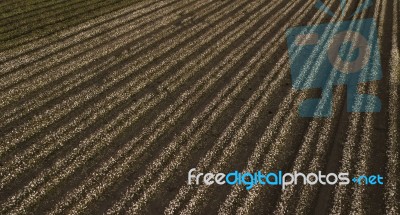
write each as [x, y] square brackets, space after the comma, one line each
[327, 55]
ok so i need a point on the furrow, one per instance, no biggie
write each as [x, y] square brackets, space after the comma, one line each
[42, 4]
[142, 200]
[22, 200]
[241, 131]
[24, 34]
[349, 163]
[38, 180]
[50, 93]
[288, 198]
[277, 153]
[122, 167]
[138, 83]
[76, 54]
[268, 136]
[12, 53]
[392, 183]
[29, 128]
[27, 21]
[309, 192]
[77, 39]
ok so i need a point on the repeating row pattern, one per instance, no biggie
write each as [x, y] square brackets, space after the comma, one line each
[106, 105]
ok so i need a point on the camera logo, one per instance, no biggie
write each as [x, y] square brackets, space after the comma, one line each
[331, 54]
